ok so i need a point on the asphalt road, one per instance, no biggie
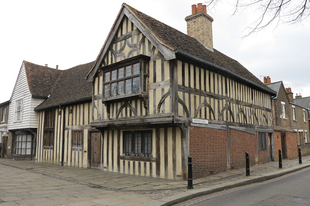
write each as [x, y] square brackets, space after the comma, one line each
[288, 190]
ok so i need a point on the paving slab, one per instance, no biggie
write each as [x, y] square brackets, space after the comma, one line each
[31, 183]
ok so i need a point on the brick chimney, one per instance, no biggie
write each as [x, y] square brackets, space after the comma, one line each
[267, 80]
[289, 94]
[199, 25]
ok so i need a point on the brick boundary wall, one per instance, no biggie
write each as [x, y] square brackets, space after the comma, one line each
[241, 142]
[208, 148]
[290, 144]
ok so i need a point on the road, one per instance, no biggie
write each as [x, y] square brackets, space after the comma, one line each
[288, 190]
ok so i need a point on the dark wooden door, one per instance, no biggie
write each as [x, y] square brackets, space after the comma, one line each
[95, 150]
[283, 145]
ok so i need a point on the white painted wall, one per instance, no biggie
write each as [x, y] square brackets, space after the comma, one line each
[21, 91]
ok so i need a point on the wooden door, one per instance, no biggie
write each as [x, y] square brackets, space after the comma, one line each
[95, 161]
[283, 145]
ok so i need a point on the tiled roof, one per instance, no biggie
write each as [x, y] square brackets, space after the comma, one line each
[41, 79]
[71, 87]
[303, 102]
[178, 41]
[275, 86]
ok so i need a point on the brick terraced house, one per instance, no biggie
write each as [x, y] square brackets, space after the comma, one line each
[153, 96]
[291, 121]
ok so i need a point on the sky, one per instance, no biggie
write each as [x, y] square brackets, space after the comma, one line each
[71, 32]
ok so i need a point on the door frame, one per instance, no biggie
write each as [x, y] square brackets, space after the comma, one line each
[91, 150]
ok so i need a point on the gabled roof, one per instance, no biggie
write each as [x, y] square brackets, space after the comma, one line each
[174, 43]
[275, 86]
[40, 79]
[303, 102]
[71, 87]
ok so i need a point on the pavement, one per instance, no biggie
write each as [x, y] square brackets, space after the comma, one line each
[31, 183]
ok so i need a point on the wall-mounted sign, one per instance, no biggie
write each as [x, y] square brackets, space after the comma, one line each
[200, 121]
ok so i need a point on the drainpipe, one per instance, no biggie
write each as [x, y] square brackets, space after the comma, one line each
[63, 135]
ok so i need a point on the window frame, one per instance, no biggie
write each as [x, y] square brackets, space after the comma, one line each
[304, 115]
[77, 140]
[19, 110]
[49, 127]
[138, 146]
[3, 114]
[142, 60]
[283, 110]
[23, 145]
[294, 113]
[262, 141]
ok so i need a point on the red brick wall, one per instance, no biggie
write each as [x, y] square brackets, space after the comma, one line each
[208, 148]
[278, 144]
[208, 151]
[241, 142]
[291, 144]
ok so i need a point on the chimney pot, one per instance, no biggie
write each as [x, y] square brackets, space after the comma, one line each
[194, 9]
[267, 80]
[56, 67]
[204, 8]
[46, 65]
[199, 9]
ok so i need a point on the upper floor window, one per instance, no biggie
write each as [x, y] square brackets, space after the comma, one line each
[294, 113]
[304, 115]
[125, 79]
[3, 114]
[283, 110]
[19, 110]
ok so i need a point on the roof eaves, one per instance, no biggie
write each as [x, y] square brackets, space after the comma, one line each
[86, 99]
[186, 55]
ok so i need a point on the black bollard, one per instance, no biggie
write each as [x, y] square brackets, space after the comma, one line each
[280, 159]
[190, 174]
[299, 155]
[247, 164]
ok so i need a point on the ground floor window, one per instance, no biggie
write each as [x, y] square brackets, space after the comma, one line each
[77, 140]
[48, 140]
[24, 144]
[262, 140]
[137, 143]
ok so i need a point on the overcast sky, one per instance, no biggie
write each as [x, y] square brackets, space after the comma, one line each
[69, 33]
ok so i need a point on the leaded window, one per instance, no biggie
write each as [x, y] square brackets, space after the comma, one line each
[137, 143]
[24, 144]
[125, 79]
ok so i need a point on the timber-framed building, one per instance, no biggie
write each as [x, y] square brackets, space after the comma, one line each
[157, 96]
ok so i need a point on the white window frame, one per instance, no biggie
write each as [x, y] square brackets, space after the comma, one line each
[304, 115]
[283, 110]
[294, 113]
[3, 114]
[306, 137]
[19, 110]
